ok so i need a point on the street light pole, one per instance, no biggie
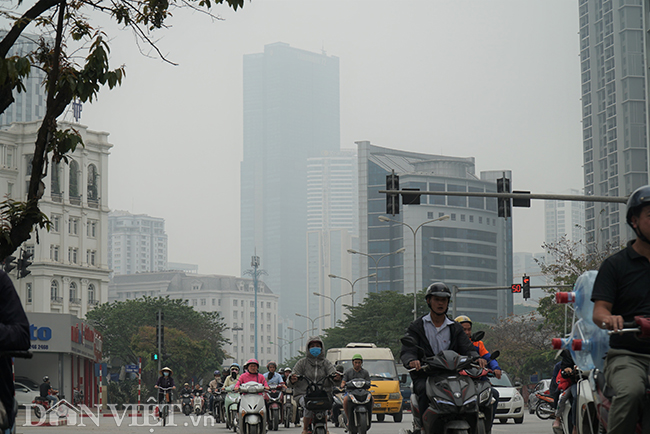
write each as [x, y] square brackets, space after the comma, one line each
[415, 262]
[302, 334]
[372, 256]
[312, 320]
[334, 276]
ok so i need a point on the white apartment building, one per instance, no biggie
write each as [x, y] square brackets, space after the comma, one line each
[137, 243]
[69, 273]
[233, 297]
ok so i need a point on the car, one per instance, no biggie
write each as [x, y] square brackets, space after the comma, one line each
[511, 403]
[24, 394]
[543, 387]
[28, 382]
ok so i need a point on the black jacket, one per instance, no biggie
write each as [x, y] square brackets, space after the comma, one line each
[459, 342]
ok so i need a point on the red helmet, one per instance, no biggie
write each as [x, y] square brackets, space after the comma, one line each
[251, 361]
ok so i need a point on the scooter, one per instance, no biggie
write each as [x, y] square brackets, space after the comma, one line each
[360, 403]
[318, 401]
[484, 391]
[218, 405]
[338, 414]
[186, 402]
[41, 405]
[251, 409]
[290, 408]
[545, 406]
[454, 399]
[232, 406]
[274, 406]
[197, 402]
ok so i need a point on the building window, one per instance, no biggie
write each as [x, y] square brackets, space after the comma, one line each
[194, 302]
[73, 292]
[54, 290]
[93, 194]
[56, 223]
[90, 256]
[10, 190]
[73, 226]
[74, 180]
[55, 184]
[91, 229]
[54, 253]
[252, 304]
[268, 304]
[234, 314]
[28, 289]
[453, 217]
[219, 302]
[203, 302]
[234, 302]
[213, 301]
[72, 255]
[91, 294]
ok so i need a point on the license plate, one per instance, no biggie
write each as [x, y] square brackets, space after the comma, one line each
[377, 405]
[502, 405]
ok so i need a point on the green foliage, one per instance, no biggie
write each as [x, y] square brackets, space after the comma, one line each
[194, 339]
[382, 319]
[64, 142]
[12, 72]
[126, 392]
[12, 212]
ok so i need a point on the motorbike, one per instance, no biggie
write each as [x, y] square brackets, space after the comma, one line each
[484, 388]
[290, 408]
[231, 405]
[360, 403]
[186, 402]
[454, 399]
[545, 407]
[338, 414]
[318, 400]
[274, 406]
[41, 405]
[198, 402]
[218, 405]
[251, 409]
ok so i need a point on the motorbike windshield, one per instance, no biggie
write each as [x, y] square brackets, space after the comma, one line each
[378, 369]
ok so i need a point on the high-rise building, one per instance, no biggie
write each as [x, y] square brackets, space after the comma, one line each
[565, 218]
[291, 113]
[29, 105]
[472, 248]
[614, 113]
[332, 228]
[137, 243]
[69, 273]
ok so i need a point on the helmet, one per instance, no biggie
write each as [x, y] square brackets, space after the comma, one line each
[357, 357]
[340, 368]
[287, 370]
[186, 384]
[235, 365]
[251, 362]
[437, 289]
[463, 318]
[217, 372]
[637, 200]
[272, 363]
[46, 379]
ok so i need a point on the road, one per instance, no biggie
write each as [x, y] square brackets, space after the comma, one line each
[197, 425]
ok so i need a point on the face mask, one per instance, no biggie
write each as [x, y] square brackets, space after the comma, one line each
[314, 351]
[166, 374]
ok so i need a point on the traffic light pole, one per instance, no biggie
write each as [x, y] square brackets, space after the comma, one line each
[159, 339]
[523, 196]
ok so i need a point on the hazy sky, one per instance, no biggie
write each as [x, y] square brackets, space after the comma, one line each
[494, 79]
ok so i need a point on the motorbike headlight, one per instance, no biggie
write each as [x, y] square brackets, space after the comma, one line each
[484, 396]
[470, 401]
[394, 396]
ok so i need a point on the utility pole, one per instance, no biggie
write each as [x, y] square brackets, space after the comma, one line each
[255, 273]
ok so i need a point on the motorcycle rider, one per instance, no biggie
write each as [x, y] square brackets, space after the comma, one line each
[273, 377]
[212, 386]
[466, 322]
[434, 332]
[251, 367]
[232, 378]
[356, 371]
[313, 366]
[620, 293]
[47, 393]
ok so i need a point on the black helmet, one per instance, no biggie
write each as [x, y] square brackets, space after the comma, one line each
[637, 200]
[46, 379]
[437, 289]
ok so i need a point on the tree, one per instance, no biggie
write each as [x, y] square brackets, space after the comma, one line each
[194, 339]
[66, 79]
[382, 318]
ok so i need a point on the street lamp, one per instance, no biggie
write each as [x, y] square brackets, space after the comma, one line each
[334, 276]
[415, 262]
[302, 334]
[312, 320]
[371, 256]
[280, 346]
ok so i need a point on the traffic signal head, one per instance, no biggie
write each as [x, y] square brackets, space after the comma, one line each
[392, 199]
[23, 263]
[154, 356]
[526, 287]
[7, 264]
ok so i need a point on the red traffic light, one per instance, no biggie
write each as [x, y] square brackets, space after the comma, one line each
[516, 288]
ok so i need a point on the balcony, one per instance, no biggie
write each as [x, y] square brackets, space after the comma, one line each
[75, 200]
[93, 302]
[57, 197]
[56, 300]
[76, 301]
[93, 203]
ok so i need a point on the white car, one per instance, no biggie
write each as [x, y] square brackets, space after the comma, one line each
[25, 395]
[511, 403]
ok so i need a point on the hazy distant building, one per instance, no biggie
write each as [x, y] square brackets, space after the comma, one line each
[565, 218]
[28, 105]
[614, 111]
[137, 243]
[69, 273]
[180, 266]
[472, 248]
[291, 113]
[232, 297]
[332, 228]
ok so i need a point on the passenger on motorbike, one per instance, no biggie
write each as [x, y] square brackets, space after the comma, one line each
[620, 293]
[313, 366]
[47, 392]
[356, 371]
[251, 367]
[566, 386]
[232, 378]
[466, 322]
[434, 332]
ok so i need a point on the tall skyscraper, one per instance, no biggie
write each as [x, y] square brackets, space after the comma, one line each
[614, 114]
[565, 218]
[137, 243]
[291, 113]
[332, 225]
[472, 248]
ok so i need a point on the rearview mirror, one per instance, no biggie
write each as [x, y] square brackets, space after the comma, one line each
[478, 336]
[495, 354]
